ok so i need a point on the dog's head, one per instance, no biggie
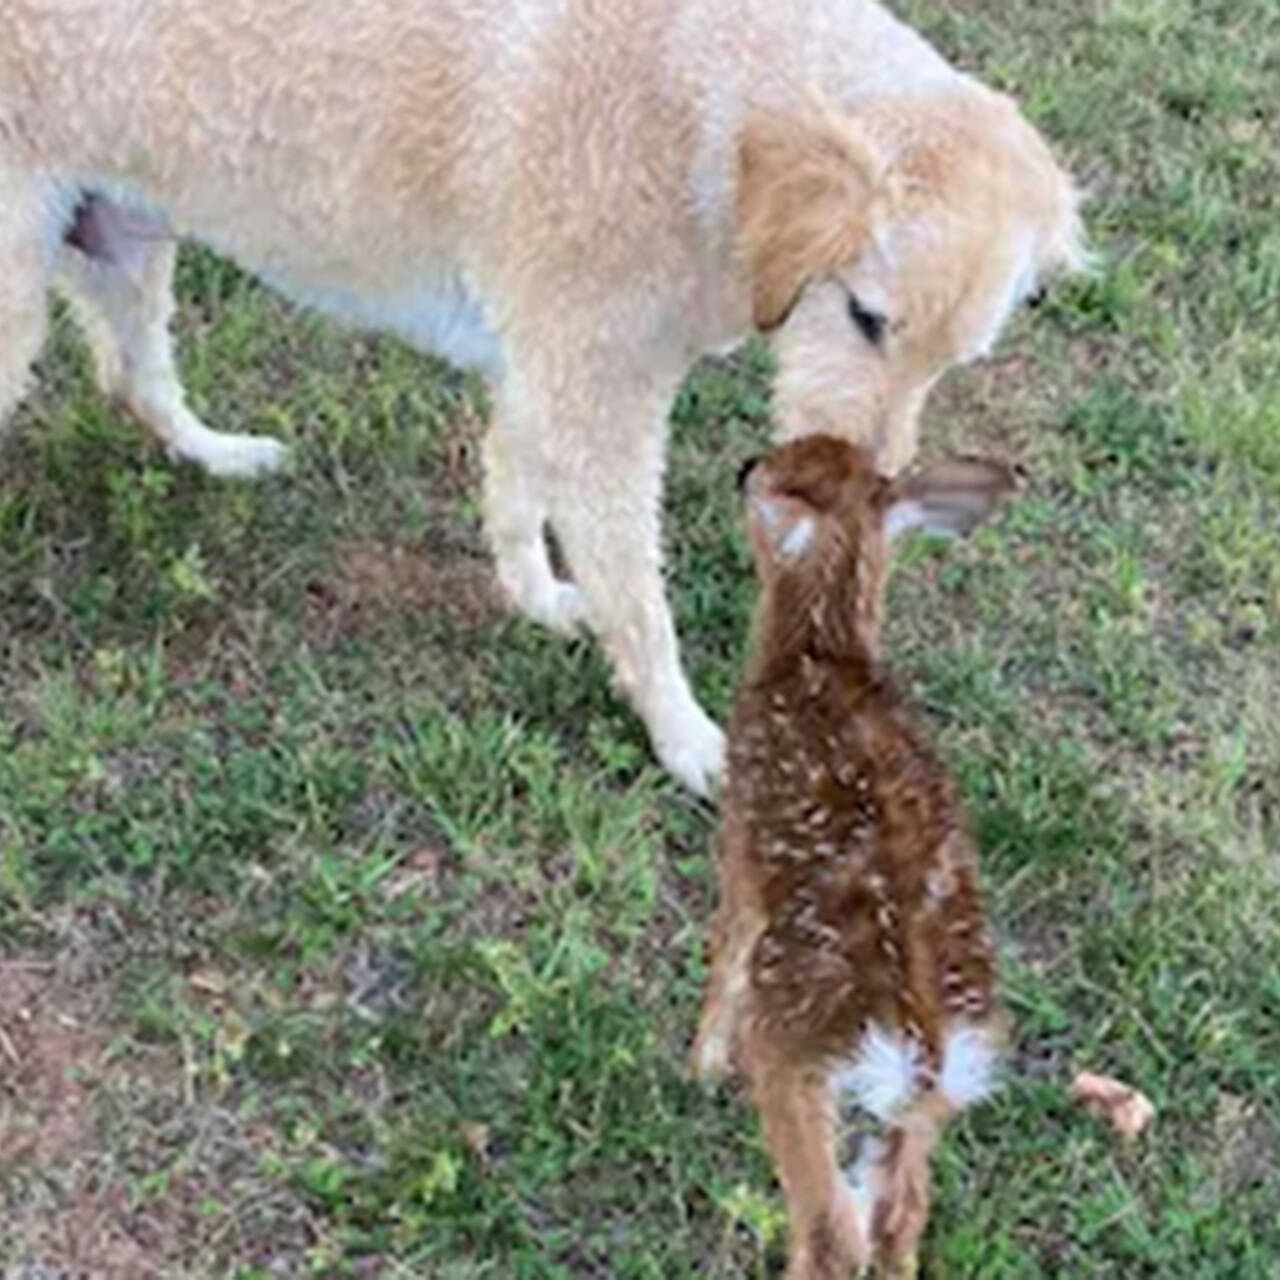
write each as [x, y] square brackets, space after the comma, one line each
[821, 518]
[887, 243]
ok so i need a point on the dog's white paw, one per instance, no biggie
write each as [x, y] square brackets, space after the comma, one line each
[534, 591]
[232, 455]
[562, 608]
[554, 604]
[694, 752]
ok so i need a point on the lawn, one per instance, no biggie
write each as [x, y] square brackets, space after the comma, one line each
[347, 927]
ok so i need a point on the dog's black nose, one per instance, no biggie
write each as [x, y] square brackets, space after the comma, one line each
[745, 470]
[1037, 298]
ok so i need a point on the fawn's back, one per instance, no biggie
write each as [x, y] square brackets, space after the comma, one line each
[849, 829]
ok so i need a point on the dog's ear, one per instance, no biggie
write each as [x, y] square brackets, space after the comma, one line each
[806, 187]
[949, 498]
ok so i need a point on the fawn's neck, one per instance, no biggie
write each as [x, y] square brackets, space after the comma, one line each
[828, 613]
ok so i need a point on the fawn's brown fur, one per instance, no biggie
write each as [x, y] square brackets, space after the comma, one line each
[849, 953]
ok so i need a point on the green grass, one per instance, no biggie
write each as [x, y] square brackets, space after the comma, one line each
[349, 928]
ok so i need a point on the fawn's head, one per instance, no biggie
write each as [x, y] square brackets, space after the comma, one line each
[821, 520]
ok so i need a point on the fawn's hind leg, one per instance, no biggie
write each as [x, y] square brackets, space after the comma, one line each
[828, 1234]
[899, 1185]
[117, 272]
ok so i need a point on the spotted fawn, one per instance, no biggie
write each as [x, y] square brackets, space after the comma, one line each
[850, 963]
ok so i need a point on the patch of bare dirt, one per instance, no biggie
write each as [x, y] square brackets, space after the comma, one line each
[49, 1053]
[84, 1242]
[112, 1165]
[370, 582]
[53, 1054]
[1245, 1144]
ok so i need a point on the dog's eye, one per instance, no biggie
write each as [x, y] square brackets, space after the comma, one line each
[1036, 298]
[871, 324]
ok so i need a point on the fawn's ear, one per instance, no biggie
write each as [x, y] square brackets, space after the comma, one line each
[949, 498]
[787, 523]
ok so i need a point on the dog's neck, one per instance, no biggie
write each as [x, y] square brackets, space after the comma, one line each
[829, 612]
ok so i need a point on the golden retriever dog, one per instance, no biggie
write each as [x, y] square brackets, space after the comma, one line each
[577, 197]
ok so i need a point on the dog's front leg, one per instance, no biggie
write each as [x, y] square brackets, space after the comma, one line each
[603, 497]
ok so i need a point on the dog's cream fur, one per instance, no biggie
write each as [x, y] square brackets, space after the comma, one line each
[576, 196]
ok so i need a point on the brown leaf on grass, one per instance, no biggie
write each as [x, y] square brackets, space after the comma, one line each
[1127, 1110]
[211, 981]
[421, 869]
[476, 1136]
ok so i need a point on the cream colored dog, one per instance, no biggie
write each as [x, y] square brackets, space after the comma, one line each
[577, 197]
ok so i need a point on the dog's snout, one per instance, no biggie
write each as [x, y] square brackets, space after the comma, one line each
[744, 471]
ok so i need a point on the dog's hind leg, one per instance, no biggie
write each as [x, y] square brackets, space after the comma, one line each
[28, 228]
[515, 523]
[116, 270]
[828, 1227]
[899, 1182]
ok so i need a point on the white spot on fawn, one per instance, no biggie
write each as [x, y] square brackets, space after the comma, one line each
[798, 539]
